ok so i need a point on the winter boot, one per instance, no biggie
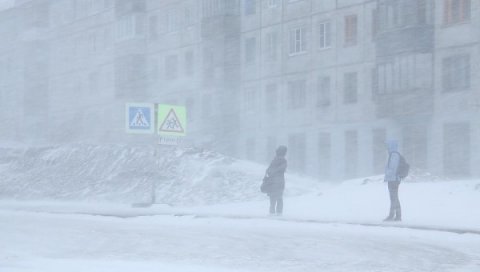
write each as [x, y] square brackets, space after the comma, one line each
[388, 218]
[390, 215]
[398, 215]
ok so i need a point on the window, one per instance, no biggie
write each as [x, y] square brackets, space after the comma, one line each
[457, 149]
[296, 94]
[351, 31]
[270, 148]
[89, 7]
[379, 136]
[415, 144]
[189, 17]
[323, 95]
[250, 149]
[93, 42]
[189, 65]
[171, 67]
[190, 108]
[456, 73]
[153, 22]
[172, 21]
[456, 11]
[351, 153]
[273, 3]
[324, 35]
[154, 70]
[297, 152]
[208, 65]
[298, 41]
[398, 14]
[93, 82]
[250, 100]
[375, 22]
[350, 88]
[272, 45]
[271, 98]
[206, 106]
[250, 50]
[212, 7]
[126, 27]
[404, 73]
[250, 7]
[324, 154]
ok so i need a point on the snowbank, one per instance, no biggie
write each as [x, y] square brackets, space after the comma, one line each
[115, 173]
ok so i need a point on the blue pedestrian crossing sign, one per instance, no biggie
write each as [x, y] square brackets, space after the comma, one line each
[140, 118]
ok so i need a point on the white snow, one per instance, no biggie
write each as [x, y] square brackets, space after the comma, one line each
[220, 222]
[58, 242]
[124, 174]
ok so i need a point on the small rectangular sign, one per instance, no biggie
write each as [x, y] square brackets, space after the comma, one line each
[169, 140]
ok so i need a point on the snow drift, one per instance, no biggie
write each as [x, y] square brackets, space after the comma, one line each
[117, 173]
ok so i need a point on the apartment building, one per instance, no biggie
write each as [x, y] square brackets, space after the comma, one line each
[306, 83]
[331, 79]
[82, 39]
[23, 70]
[324, 76]
[455, 128]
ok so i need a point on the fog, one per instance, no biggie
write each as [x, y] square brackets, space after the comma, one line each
[239, 135]
[332, 80]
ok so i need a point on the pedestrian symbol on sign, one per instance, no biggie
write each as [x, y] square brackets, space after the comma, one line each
[139, 118]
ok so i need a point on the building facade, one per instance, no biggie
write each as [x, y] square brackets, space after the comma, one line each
[331, 79]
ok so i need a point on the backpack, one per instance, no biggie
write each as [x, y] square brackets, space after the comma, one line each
[267, 185]
[403, 167]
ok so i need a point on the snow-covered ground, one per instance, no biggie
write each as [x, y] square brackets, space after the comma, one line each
[59, 242]
[124, 174]
[210, 216]
[447, 204]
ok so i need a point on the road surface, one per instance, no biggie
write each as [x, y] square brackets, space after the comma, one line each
[42, 241]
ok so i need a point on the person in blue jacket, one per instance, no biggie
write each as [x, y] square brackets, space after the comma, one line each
[393, 179]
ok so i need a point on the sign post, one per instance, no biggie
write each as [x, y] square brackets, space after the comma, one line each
[171, 124]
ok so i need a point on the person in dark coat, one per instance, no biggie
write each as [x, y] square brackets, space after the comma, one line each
[276, 175]
[393, 179]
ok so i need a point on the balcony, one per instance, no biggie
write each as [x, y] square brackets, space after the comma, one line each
[418, 38]
[220, 25]
[404, 106]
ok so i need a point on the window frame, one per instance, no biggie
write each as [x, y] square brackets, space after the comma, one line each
[297, 41]
[325, 35]
[272, 46]
[464, 12]
[350, 96]
[250, 44]
[250, 7]
[351, 30]
[296, 96]
[452, 80]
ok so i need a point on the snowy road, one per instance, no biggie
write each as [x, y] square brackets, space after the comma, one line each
[59, 242]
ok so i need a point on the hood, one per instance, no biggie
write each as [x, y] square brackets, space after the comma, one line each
[281, 151]
[392, 146]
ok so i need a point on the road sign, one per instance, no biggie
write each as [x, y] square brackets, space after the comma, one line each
[172, 120]
[139, 118]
